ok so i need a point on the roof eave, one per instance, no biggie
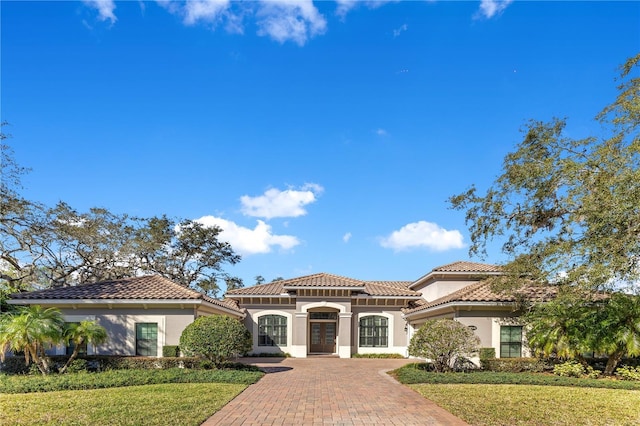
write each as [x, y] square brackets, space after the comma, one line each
[311, 287]
[450, 305]
[434, 274]
[378, 296]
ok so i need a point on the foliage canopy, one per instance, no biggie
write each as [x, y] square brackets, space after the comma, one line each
[568, 209]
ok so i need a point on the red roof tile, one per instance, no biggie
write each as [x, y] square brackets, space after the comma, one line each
[148, 287]
[323, 280]
[482, 292]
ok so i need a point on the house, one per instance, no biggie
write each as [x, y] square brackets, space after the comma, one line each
[141, 314]
[329, 314]
[310, 315]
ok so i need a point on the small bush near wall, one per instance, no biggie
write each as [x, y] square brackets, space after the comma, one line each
[628, 373]
[14, 365]
[383, 356]
[513, 365]
[170, 351]
[487, 353]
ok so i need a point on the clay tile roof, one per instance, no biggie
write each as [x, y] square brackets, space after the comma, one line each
[323, 280]
[464, 266]
[269, 289]
[390, 288]
[482, 292]
[148, 287]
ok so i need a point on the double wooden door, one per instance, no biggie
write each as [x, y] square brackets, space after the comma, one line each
[323, 337]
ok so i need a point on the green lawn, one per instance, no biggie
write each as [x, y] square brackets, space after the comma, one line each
[491, 404]
[163, 404]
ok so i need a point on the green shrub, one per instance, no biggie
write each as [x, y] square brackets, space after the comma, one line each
[216, 338]
[513, 365]
[413, 374]
[569, 369]
[170, 351]
[487, 353]
[379, 356]
[77, 365]
[14, 365]
[628, 373]
[442, 341]
[118, 378]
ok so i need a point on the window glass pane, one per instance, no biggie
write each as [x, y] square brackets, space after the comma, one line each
[510, 341]
[147, 339]
[374, 331]
[272, 330]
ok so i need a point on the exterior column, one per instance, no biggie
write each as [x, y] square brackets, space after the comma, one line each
[344, 334]
[299, 330]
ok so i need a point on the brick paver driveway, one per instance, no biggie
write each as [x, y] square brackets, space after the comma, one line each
[330, 391]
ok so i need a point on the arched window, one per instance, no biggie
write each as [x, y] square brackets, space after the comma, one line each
[374, 332]
[272, 330]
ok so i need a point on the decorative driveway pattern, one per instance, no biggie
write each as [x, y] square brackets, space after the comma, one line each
[330, 391]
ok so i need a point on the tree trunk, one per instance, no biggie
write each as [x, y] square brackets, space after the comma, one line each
[612, 362]
[74, 355]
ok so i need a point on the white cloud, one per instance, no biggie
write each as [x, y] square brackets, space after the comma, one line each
[204, 10]
[290, 20]
[344, 6]
[381, 132]
[246, 241]
[346, 237]
[105, 9]
[423, 234]
[276, 203]
[400, 30]
[490, 8]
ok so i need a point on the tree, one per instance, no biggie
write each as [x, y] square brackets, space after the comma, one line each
[442, 342]
[216, 338]
[569, 327]
[30, 330]
[259, 279]
[80, 334]
[557, 328]
[568, 209]
[614, 328]
[234, 283]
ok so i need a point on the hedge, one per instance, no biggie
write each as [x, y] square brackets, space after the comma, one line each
[514, 365]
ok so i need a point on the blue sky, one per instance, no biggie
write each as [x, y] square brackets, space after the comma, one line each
[321, 136]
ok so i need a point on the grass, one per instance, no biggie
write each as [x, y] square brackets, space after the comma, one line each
[492, 405]
[162, 404]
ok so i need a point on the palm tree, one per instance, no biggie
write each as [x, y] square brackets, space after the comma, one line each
[30, 330]
[558, 328]
[80, 333]
[615, 329]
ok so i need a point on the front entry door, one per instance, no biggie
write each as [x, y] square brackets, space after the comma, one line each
[323, 337]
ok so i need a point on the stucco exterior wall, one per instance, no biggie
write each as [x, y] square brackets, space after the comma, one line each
[251, 322]
[120, 326]
[436, 289]
[397, 342]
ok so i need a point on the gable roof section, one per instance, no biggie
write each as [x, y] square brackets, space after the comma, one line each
[482, 293]
[144, 288]
[328, 281]
[465, 266]
[461, 268]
